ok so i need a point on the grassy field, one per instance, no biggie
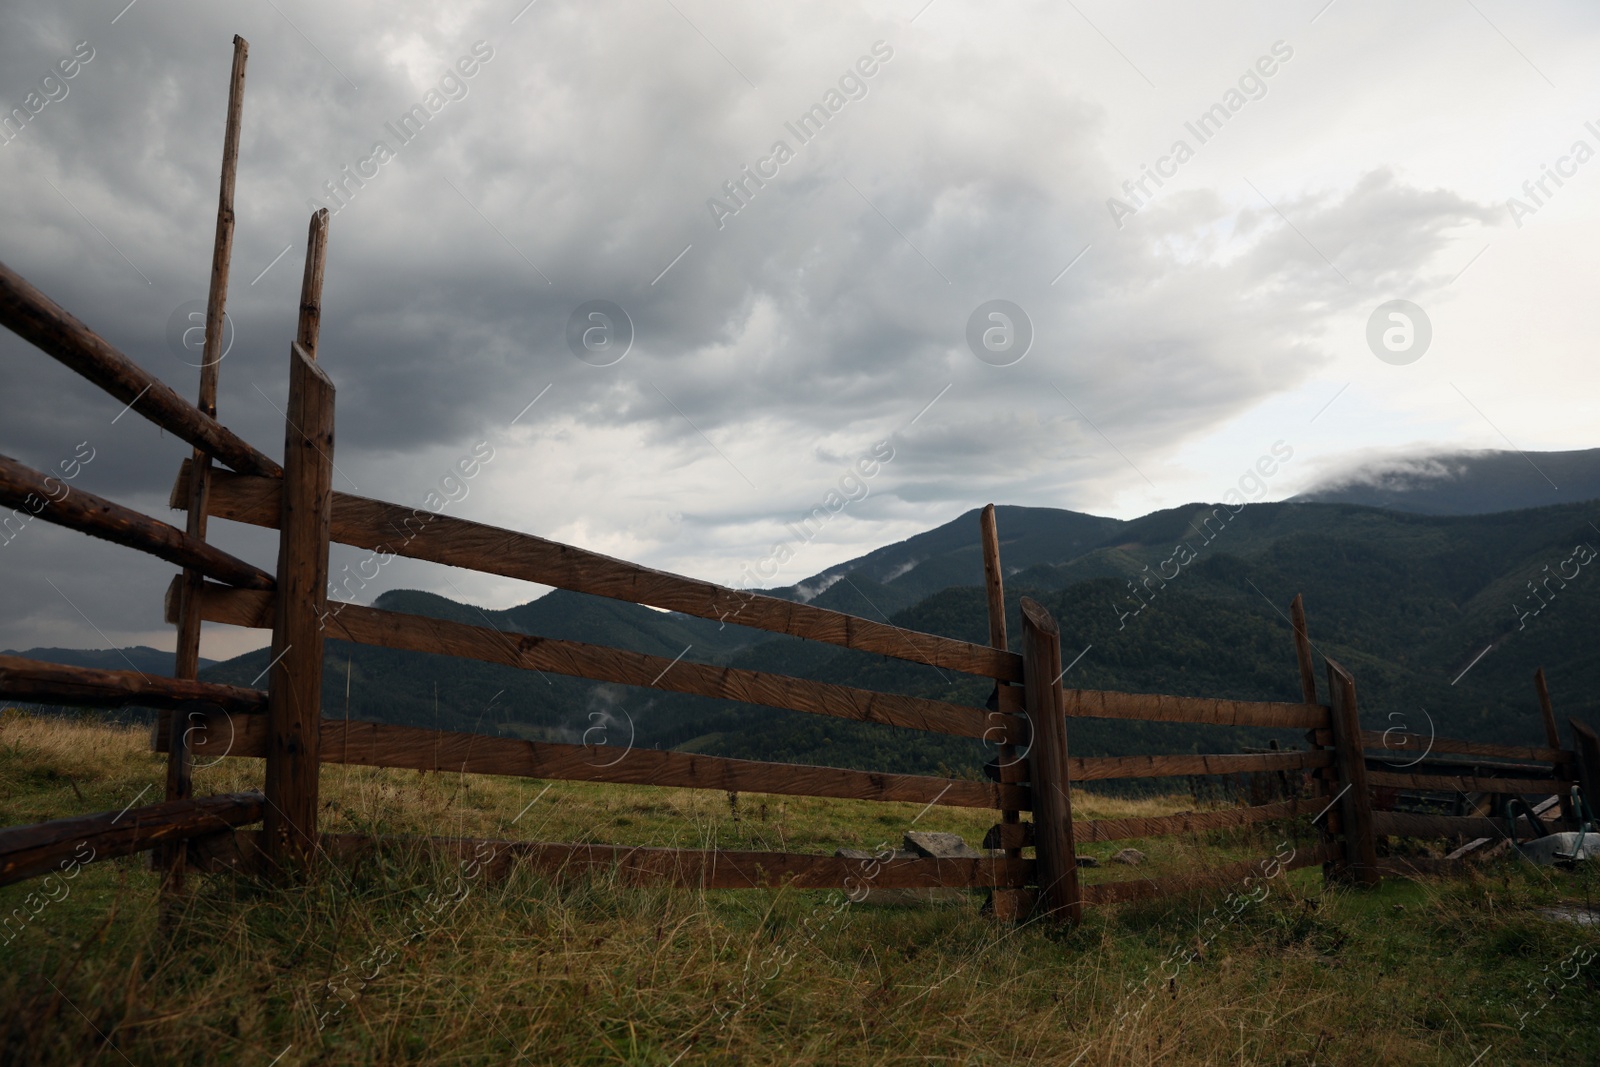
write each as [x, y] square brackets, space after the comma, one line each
[402, 960]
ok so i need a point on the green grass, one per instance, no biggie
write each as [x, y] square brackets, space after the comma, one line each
[590, 972]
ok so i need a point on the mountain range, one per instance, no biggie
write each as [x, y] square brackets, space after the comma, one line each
[1440, 602]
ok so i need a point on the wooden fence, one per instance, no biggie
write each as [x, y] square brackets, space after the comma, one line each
[1028, 719]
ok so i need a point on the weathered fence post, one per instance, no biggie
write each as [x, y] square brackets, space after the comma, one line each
[1564, 771]
[1360, 862]
[1587, 747]
[294, 702]
[1326, 778]
[186, 662]
[1006, 903]
[1050, 780]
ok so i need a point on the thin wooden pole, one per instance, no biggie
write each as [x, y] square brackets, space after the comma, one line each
[1049, 773]
[180, 765]
[1553, 737]
[1302, 650]
[311, 282]
[1360, 839]
[1006, 903]
[294, 700]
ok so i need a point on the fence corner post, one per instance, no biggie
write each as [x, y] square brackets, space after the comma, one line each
[294, 700]
[1050, 777]
[1360, 862]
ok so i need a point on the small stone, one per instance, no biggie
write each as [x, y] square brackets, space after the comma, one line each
[1131, 856]
[1088, 861]
[940, 846]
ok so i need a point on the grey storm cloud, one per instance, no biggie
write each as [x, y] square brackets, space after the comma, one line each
[575, 164]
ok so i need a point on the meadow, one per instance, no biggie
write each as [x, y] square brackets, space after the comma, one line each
[400, 958]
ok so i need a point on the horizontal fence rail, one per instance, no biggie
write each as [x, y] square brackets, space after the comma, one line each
[638, 865]
[1020, 835]
[1101, 768]
[421, 633]
[420, 534]
[36, 318]
[376, 744]
[1157, 707]
[1232, 874]
[23, 487]
[37, 682]
[1397, 745]
[1465, 783]
[30, 851]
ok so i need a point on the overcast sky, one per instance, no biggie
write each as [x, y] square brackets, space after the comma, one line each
[1175, 337]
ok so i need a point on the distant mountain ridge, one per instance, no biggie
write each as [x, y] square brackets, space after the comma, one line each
[134, 657]
[1466, 483]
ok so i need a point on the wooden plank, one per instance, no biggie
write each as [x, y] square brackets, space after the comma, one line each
[1102, 704]
[376, 744]
[1465, 783]
[418, 633]
[294, 710]
[36, 318]
[1302, 650]
[1098, 768]
[679, 868]
[30, 851]
[24, 488]
[418, 533]
[1407, 824]
[1397, 744]
[1052, 773]
[1188, 822]
[53, 683]
[1006, 757]
[1232, 874]
[1360, 843]
[186, 655]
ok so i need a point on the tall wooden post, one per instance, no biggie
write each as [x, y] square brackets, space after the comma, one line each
[294, 701]
[1302, 650]
[186, 663]
[1050, 780]
[1326, 778]
[1360, 841]
[1547, 711]
[310, 324]
[1006, 903]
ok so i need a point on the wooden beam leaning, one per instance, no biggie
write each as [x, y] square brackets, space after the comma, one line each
[186, 659]
[420, 534]
[1360, 841]
[36, 318]
[295, 682]
[58, 845]
[1159, 707]
[377, 744]
[48, 498]
[1051, 772]
[53, 683]
[419, 633]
